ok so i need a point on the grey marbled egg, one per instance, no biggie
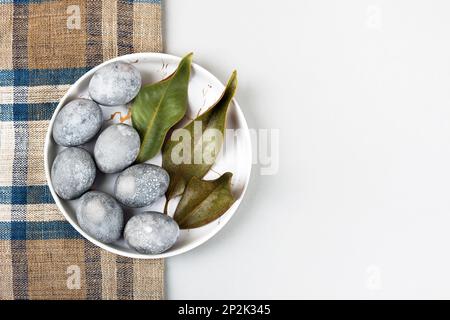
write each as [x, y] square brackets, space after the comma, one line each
[116, 83]
[77, 122]
[151, 232]
[73, 173]
[140, 185]
[116, 148]
[101, 216]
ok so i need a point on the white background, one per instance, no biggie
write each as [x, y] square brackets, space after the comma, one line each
[360, 91]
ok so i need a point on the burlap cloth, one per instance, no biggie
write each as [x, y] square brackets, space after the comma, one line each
[45, 46]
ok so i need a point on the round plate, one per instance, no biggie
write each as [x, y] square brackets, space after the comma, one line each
[204, 90]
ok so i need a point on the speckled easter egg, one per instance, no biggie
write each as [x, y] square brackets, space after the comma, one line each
[116, 148]
[151, 232]
[116, 83]
[77, 122]
[100, 216]
[73, 173]
[140, 185]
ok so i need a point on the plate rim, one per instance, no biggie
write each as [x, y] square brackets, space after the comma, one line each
[135, 255]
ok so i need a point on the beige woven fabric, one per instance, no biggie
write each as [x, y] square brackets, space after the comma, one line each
[45, 46]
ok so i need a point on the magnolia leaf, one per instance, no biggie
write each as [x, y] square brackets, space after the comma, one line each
[158, 107]
[204, 201]
[201, 142]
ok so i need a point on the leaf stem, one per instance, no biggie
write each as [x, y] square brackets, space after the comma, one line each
[166, 205]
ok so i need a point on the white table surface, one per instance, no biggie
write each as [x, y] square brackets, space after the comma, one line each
[360, 93]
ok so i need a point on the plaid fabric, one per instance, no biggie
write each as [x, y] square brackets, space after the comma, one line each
[44, 47]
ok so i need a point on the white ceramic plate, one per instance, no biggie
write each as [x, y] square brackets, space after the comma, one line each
[204, 90]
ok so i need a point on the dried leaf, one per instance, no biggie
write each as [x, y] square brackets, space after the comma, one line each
[204, 201]
[158, 107]
[204, 147]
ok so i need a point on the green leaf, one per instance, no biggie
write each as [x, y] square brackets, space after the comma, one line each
[205, 134]
[158, 107]
[204, 201]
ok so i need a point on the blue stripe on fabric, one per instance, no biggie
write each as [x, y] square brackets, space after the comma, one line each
[51, 230]
[27, 111]
[24, 1]
[37, 230]
[5, 230]
[18, 230]
[40, 77]
[25, 194]
[6, 78]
